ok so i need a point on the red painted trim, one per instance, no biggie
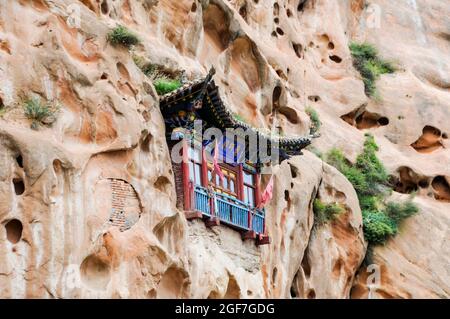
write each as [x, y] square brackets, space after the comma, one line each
[186, 184]
[257, 189]
[240, 185]
[205, 181]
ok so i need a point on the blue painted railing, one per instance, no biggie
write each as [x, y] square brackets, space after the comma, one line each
[202, 200]
[229, 210]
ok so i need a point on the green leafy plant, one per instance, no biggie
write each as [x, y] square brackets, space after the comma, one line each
[371, 182]
[120, 35]
[165, 85]
[39, 113]
[315, 120]
[325, 212]
[370, 66]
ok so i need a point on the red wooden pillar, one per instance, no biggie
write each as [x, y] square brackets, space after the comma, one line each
[205, 181]
[240, 182]
[257, 189]
[188, 191]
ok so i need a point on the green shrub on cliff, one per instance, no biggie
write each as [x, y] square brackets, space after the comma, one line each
[39, 113]
[370, 65]
[315, 120]
[122, 36]
[165, 85]
[370, 180]
[325, 212]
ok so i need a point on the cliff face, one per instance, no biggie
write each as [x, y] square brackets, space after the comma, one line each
[106, 147]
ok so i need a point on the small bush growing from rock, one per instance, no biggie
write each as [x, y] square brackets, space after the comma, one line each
[325, 212]
[39, 113]
[165, 85]
[122, 36]
[315, 120]
[371, 182]
[369, 65]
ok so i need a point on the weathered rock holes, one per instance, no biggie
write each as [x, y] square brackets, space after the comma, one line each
[298, 49]
[430, 140]
[441, 187]
[194, 6]
[217, 24]
[14, 230]
[276, 94]
[294, 171]
[104, 7]
[314, 98]
[336, 59]
[362, 119]
[330, 45]
[19, 161]
[290, 113]
[243, 12]
[276, 9]
[145, 143]
[162, 184]
[301, 5]
[311, 294]
[407, 182]
[287, 198]
[104, 76]
[280, 31]
[289, 13]
[174, 283]
[276, 20]
[274, 274]
[19, 186]
[306, 265]
[95, 272]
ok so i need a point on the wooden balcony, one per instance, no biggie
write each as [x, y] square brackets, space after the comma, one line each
[218, 208]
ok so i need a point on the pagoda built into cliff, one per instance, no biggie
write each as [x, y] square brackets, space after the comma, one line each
[234, 198]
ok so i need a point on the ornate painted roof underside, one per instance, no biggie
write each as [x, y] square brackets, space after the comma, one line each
[201, 99]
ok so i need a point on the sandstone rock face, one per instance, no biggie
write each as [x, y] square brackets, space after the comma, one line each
[87, 201]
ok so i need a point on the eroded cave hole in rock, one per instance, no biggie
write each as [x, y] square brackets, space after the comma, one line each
[14, 230]
[289, 13]
[290, 114]
[429, 141]
[19, 160]
[294, 171]
[330, 45]
[276, 9]
[314, 98]
[217, 27]
[363, 119]
[104, 7]
[19, 186]
[276, 97]
[95, 272]
[274, 275]
[243, 12]
[311, 294]
[280, 31]
[301, 5]
[162, 184]
[305, 264]
[174, 283]
[441, 187]
[287, 198]
[407, 181]
[298, 49]
[336, 59]
[145, 143]
[194, 6]
[276, 20]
